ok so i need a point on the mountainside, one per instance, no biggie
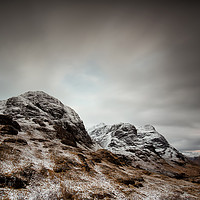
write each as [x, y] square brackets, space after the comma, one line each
[41, 113]
[145, 146]
[46, 154]
[194, 156]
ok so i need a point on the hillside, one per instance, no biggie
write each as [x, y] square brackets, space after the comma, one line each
[46, 153]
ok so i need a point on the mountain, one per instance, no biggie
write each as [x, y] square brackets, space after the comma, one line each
[194, 156]
[43, 114]
[145, 147]
[46, 154]
[196, 160]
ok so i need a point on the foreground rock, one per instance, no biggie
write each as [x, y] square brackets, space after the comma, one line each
[39, 112]
[8, 126]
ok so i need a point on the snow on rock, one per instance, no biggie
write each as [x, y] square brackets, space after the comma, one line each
[191, 154]
[144, 145]
[34, 129]
[38, 110]
[194, 156]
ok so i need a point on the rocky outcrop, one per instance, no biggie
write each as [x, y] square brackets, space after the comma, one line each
[8, 130]
[8, 126]
[144, 146]
[12, 182]
[16, 141]
[42, 112]
[7, 120]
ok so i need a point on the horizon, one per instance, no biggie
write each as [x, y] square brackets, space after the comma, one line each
[111, 61]
[137, 126]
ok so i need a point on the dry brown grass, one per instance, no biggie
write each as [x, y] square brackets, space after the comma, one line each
[66, 194]
[7, 152]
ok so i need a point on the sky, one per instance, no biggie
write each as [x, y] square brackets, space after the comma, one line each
[111, 61]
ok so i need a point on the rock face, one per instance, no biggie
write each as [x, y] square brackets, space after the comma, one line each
[42, 112]
[7, 120]
[194, 156]
[8, 126]
[145, 146]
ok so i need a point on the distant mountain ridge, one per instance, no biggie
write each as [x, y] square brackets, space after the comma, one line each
[145, 146]
[194, 156]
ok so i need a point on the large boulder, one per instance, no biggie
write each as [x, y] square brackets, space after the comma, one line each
[7, 129]
[8, 125]
[7, 120]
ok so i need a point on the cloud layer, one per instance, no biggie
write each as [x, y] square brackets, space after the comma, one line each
[112, 61]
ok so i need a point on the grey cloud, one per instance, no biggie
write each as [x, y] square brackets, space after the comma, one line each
[183, 138]
[111, 61]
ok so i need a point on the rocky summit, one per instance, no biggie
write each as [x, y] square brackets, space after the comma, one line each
[143, 145]
[46, 116]
[47, 154]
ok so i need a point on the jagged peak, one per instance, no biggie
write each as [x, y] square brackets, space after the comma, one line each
[40, 95]
[40, 109]
[123, 138]
[123, 126]
[37, 92]
[146, 128]
[99, 125]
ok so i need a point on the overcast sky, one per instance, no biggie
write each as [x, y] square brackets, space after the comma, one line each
[111, 61]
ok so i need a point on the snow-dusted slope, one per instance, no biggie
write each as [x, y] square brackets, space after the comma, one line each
[145, 146]
[191, 154]
[45, 154]
[194, 156]
[39, 112]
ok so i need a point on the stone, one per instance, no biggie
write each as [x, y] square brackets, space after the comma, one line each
[8, 129]
[7, 120]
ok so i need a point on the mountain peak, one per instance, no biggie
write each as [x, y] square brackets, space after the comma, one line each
[30, 94]
[146, 128]
[37, 96]
[145, 146]
[35, 92]
[37, 108]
